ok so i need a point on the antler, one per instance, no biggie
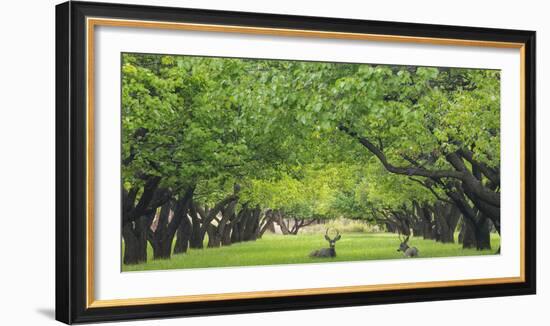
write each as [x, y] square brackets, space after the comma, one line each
[337, 233]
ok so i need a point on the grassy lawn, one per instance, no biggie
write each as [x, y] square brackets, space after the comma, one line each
[277, 249]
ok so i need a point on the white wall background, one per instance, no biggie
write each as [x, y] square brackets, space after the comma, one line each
[27, 135]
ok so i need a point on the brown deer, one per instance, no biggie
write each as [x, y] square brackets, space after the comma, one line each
[327, 252]
[405, 249]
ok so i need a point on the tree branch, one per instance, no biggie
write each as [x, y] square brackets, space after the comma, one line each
[430, 188]
[418, 171]
[490, 173]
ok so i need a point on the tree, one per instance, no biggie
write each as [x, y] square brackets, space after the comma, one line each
[229, 147]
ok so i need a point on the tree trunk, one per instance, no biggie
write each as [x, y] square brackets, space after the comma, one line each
[446, 216]
[281, 222]
[183, 235]
[236, 232]
[418, 229]
[226, 236]
[135, 240]
[161, 235]
[416, 224]
[475, 233]
[157, 238]
[252, 225]
[223, 231]
[483, 236]
[476, 220]
[239, 225]
[452, 221]
[136, 218]
[468, 234]
[427, 226]
[197, 239]
[131, 246]
[213, 240]
[390, 227]
[462, 229]
[227, 209]
[270, 226]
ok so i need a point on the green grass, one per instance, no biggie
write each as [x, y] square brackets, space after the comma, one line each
[278, 249]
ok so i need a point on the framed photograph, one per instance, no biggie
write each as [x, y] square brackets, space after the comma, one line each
[212, 162]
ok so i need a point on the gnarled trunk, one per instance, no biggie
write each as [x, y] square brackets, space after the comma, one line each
[196, 240]
[267, 224]
[214, 240]
[236, 232]
[281, 222]
[238, 225]
[467, 235]
[446, 216]
[427, 225]
[483, 235]
[226, 237]
[217, 232]
[157, 236]
[183, 235]
[161, 234]
[135, 241]
[222, 232]
[137, 216]
[252, 225]
[288, 228]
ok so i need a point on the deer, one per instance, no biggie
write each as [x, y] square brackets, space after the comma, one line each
[327, 252]
[405, 249]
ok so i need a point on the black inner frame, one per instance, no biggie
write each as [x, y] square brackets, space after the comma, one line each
[71, 162]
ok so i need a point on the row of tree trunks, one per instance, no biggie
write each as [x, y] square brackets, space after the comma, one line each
[476, 225]
[222, 224]
[440, 221]
[246, 226]
[476, 183]
[446, 222]
[475, 220]
[154, 215]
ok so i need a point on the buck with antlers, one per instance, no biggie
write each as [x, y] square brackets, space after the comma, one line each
[405, 249]
[327, 252]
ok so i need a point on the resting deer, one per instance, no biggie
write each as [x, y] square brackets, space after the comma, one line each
[405, 249]
[327, 252]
